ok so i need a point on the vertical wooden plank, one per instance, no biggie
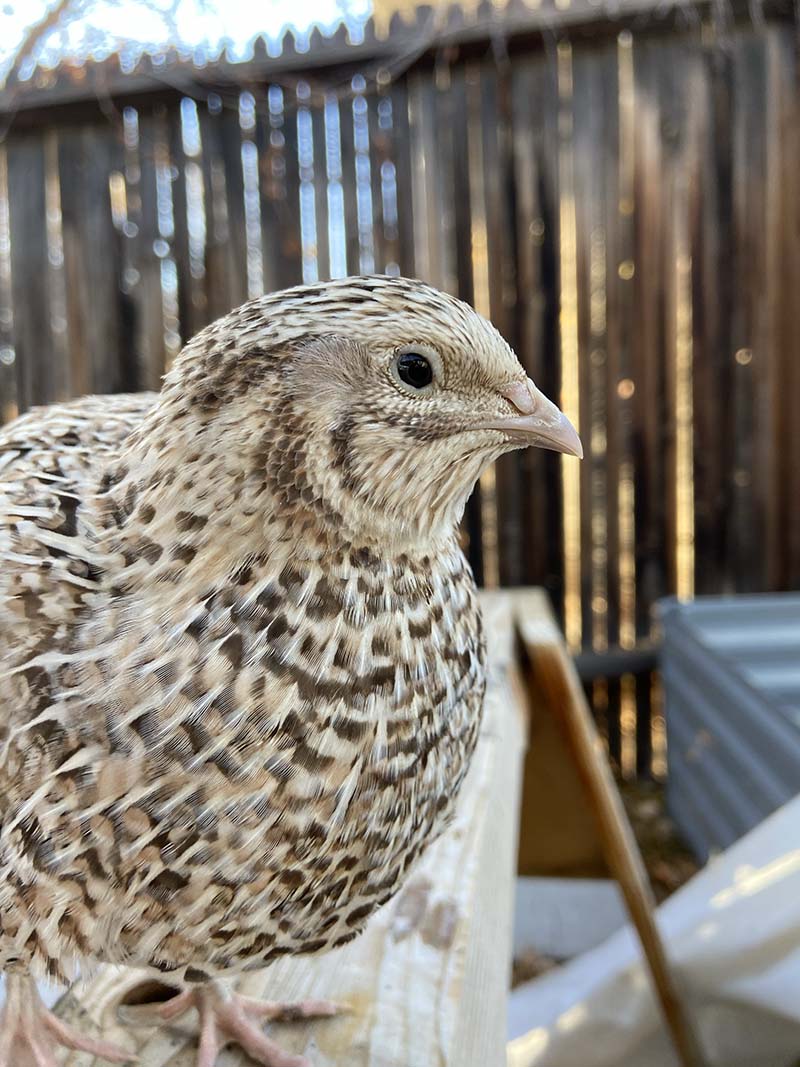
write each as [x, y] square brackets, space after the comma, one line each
[676, 165]
[616, 224]
[55, 275]
[586, 127]
[383, 176]
[433, 227]
[748, 355]
[455, 114]
[525, 86]
[142, 339]
[603, 470]
[788, 234]
[71, 165]
[305, 159]
[776, 518]
[484, 503]
[271, 145]
[684, 181]
[146, 291]
[363, 171]
[651, 427]
[431, 253]
[499, 194]
[663, 73]
[647, 354]
[92, 258]
[320, 188]
[103, 153]
[536, 183]
[230, 134]
[713, 310]
[276, 137]
[8, 377]
[401, 138]
[191, 298]
[349, 181]
[546, 367]
[782, 284]
[569, 342]
[440, 165]
[251, 195]
[36, 377]
[221, 298]
[500, 208]
[191, 211]
[620, 271]
[619, 108]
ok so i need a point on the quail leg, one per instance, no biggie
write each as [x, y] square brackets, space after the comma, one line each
[227, 1017]
[30, 1034]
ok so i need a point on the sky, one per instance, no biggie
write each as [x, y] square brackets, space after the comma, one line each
[94, 28]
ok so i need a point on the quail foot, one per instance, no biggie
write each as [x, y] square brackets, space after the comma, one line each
[29, 1031]
[227, 1017]
[241, 657]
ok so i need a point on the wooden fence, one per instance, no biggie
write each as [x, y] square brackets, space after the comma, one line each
[623, 203]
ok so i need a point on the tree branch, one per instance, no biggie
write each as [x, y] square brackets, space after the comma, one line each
[37, 32]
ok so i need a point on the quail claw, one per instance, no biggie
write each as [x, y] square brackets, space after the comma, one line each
[30, 1033]
[227, 1018]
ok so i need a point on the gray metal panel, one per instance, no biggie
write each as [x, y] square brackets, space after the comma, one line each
[731, 669]
[719, 700]
[705, 831]
[720, 772]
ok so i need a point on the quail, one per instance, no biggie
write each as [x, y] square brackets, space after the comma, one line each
[241, 657]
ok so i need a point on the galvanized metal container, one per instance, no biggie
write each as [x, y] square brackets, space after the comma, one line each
[731, 668]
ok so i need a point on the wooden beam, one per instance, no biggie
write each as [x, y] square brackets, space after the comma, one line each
[427, 982]
[331, 61]
[558, 679]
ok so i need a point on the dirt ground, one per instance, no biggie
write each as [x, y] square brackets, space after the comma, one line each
[668, 860]
[666, 856]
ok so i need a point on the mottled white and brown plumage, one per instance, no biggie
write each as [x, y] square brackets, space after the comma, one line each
[241, 662]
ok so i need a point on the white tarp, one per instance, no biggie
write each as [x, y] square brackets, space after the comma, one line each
[733, 935]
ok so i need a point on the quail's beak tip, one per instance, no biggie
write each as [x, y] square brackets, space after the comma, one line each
[538, 422]
[569, 439]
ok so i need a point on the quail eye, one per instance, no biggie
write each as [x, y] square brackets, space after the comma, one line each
[415, 370]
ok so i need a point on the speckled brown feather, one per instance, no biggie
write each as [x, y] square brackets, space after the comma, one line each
[242, 668]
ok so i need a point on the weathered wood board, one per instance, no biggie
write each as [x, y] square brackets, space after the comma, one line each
[426, 983]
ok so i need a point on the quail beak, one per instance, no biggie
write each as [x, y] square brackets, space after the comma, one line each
[538, 423]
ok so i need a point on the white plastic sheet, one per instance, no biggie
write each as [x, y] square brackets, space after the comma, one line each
[733, 934]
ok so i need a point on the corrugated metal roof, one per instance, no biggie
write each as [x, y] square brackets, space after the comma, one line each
[731, 670]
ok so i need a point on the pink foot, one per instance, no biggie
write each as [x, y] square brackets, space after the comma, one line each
[227, 1017]
[30, 1034]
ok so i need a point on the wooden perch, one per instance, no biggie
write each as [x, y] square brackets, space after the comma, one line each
[427, 982]
[556, 675]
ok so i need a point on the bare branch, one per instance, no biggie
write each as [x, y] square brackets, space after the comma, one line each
[36, 33]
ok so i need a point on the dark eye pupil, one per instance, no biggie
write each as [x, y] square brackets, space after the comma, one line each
[415, 370]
